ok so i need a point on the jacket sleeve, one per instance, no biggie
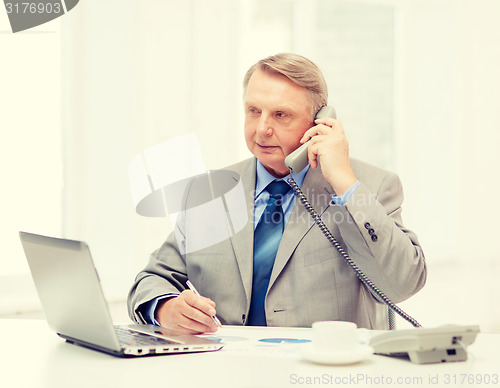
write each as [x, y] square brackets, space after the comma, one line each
[379, 244]
[160, 277]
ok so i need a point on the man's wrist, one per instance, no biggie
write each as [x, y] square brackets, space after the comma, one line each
[151, 307]
[341, 184]
[343, 199]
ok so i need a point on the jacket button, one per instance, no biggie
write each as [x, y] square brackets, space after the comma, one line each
[367, 225]
[371, 232]
[374, 237]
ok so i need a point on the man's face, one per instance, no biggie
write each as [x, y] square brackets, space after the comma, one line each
[277, 114]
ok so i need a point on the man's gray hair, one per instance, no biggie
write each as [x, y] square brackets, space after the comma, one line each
[298, 69]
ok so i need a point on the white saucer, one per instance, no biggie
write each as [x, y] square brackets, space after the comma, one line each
[335, 357]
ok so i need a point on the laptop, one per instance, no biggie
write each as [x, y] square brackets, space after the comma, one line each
[71, 295]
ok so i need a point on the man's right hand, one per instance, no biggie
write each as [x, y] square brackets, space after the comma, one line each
[187, 313]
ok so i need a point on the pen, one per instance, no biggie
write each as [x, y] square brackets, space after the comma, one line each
[191, 287]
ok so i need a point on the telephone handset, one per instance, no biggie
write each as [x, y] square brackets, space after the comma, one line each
[298, 159]
[440, 343]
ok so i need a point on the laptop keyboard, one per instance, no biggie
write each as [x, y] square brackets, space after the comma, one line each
[132, 338]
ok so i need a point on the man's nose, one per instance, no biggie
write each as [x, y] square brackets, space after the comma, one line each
[264, 127]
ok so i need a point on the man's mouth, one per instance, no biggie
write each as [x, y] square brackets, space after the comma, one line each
[265, 146]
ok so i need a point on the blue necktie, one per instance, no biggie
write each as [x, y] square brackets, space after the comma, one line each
[266, 241]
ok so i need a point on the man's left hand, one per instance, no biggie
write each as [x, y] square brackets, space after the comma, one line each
[329, 145]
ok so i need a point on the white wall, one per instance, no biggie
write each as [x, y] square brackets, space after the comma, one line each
[30, 159]
[448, 141]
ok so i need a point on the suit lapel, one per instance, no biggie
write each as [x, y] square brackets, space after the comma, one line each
[242, 242]
[318, 193]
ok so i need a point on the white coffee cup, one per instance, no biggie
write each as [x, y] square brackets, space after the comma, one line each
[337, 336]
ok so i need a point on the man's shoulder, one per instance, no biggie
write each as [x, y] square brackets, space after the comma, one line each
[243, 167]
[367, 171]
[374, 177]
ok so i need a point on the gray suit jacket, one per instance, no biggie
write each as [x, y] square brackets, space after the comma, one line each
[310, 281]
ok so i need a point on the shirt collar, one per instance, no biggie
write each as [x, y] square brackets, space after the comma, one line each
[264, 178]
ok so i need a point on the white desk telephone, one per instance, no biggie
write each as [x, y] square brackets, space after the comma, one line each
[426, 346]
[420, 345]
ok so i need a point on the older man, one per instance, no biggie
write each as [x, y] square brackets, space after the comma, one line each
[282, 271]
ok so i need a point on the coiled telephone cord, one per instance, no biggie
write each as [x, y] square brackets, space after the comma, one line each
[361, 276]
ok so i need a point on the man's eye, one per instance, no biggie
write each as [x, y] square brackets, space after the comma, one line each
[280, 114]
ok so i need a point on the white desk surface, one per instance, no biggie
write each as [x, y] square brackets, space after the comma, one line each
[34, 356]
